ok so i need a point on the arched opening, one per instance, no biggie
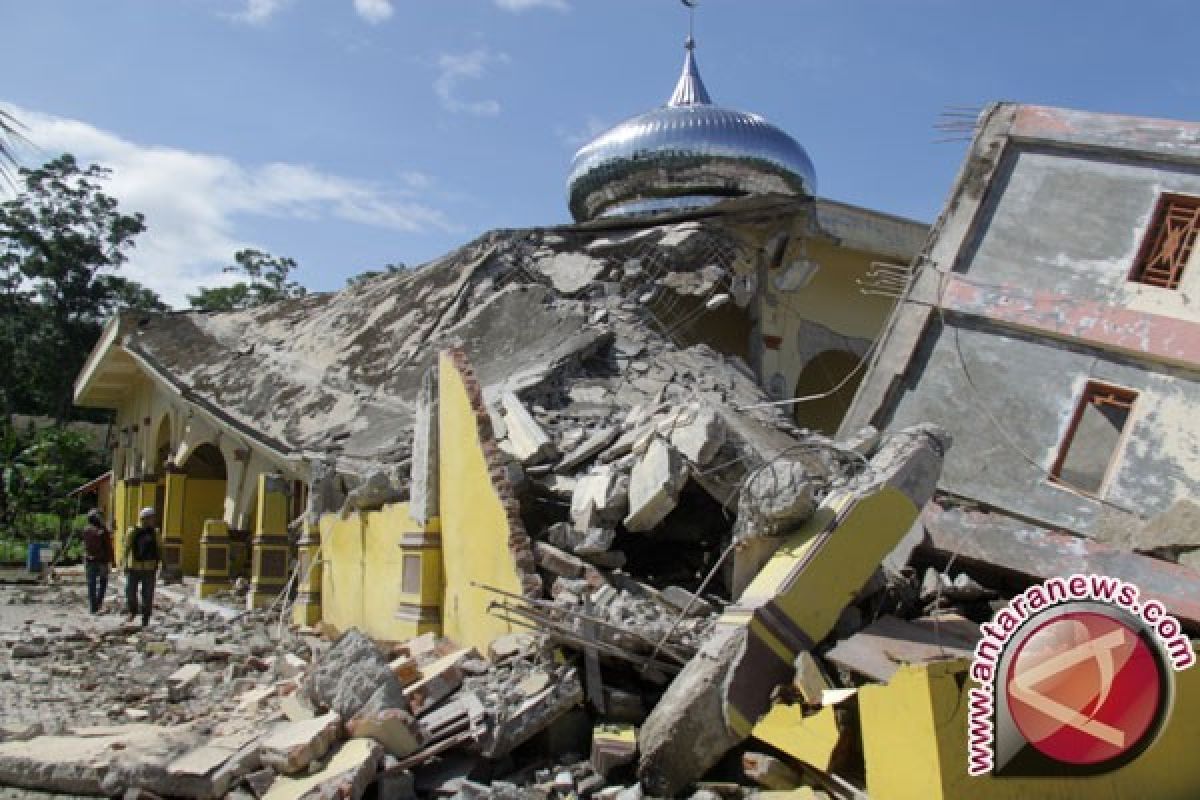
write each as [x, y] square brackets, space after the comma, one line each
[203, 499]
[823, 373]
[162, 452]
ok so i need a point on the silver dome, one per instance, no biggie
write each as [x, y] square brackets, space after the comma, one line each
[688, 153]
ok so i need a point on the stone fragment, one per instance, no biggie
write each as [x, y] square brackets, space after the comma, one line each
[570, 272]
[295, 745]
[395, 784]
[699, 435]
[654, 486]
[438, 681]
[551, 559]
[810, 679]
[769, 772]
[614, 745]
[509, 646]
[587, 449]
[346, 776]
[396, 730]
[294, 708]
[353, 675]
[405, 669]
[528, 439]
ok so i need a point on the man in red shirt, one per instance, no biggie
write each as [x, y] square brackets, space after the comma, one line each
[98, 559]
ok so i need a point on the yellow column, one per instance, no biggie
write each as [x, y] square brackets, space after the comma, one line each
[128, 517]
[148, 496]
[307, 610]
[420, 607]
[172, 524]
[214, 558]
[269, 562]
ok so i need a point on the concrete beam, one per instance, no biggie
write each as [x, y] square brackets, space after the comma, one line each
[994, 542]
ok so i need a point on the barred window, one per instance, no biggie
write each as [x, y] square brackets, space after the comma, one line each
[1168, 242]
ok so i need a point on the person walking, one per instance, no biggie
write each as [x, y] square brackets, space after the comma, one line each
[141, 566]
[98, 559]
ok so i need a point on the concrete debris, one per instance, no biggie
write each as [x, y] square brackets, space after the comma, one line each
[698, 434]
[654, 486]
[346, 776]
[377, 489]
[397, 730]
[352, 676]
[776, 499]
[526, 437]
[296, 745]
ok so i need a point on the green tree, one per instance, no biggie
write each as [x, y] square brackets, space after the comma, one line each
[61, 239]
[38, 469]
[269, 282]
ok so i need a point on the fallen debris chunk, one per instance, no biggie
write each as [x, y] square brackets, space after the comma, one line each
[877, 651]
[294, 746]
[775, 499]
[810, 680]
[700, 437]
[396, 730]
[353, 675]
[769, 771]
[816, 739]
[654, 486]
[438, 681]
[346, 776]
[526, 437]
[613, 745]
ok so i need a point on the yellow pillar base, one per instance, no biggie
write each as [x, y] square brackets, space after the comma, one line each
[214, 559]
[269, 562]
[307, 609]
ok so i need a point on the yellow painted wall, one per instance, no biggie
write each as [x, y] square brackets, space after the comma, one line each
[121, 495]
[474, 526]
[915, 746]
[202, 500]
[362, 572]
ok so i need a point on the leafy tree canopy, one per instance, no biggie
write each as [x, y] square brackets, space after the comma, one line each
[269, 281]
[61, 240]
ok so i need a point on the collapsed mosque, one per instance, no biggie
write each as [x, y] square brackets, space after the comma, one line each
[629, 437]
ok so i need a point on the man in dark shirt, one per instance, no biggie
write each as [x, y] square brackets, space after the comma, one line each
[142, 557]
[98, 559]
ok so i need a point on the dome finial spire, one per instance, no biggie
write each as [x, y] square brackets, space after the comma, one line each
[690, 91]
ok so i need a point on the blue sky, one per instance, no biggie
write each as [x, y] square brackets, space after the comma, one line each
[353, 133]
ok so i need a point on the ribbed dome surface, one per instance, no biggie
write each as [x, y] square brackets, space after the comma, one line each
[688, 153]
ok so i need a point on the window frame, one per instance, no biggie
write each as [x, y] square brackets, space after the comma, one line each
[1091, 390]
[1152, 241]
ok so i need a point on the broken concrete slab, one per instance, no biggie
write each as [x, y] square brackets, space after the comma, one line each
[571, 272]
[810, 680]
[1018, 553]
[526, 437]
[589, 448]
[877, 651]
[683, 600]
[81, 763]
[698, 434]
[438, 681]
[654, 486]
[614, 745]
[551, 559]
[295, 745]
[354, 674]
[398, 731]
[346, 776]
[600, 499]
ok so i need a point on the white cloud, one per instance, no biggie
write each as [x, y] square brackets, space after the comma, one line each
[525, 5]
[578, 137]
[257, 12]
[196, 204]
[454, 68]
[373, 11]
